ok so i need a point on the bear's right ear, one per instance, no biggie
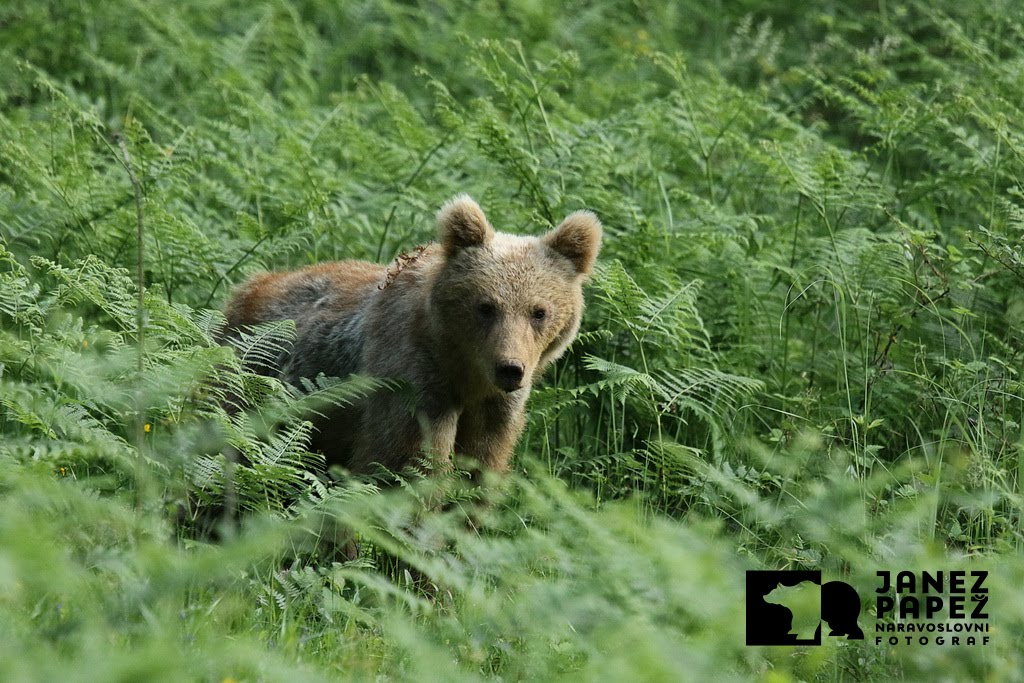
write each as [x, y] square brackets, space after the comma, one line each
[578, 239]
[461, 223]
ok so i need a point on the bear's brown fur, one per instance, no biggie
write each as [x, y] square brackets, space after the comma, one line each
[469, 323]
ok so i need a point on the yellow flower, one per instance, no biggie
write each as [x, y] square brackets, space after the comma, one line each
[147, 428]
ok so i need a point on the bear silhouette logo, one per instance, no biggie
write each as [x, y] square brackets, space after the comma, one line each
[788, 608]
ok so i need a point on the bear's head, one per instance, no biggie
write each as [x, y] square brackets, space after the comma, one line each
[508, 305]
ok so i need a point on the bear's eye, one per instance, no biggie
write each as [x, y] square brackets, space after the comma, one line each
[486, 309]
[539, 314]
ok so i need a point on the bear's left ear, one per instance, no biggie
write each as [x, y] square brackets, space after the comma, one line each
[461, 223]
[578, 239]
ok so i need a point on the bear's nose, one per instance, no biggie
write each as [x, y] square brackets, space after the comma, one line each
[509, 374]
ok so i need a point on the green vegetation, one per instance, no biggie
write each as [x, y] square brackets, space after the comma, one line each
[802, 349]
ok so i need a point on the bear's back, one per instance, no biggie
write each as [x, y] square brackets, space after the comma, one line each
[327, 303]
[338, 286]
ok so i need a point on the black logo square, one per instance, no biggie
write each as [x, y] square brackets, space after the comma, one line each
[788, 607]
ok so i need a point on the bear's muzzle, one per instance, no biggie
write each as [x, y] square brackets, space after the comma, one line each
[508, 374]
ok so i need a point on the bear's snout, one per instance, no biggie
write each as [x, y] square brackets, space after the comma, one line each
[509, 374]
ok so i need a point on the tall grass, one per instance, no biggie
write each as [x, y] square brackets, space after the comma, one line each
[802, 346]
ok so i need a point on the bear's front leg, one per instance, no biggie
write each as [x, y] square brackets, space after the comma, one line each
[489, 430]
[438, 431]
[393, 436]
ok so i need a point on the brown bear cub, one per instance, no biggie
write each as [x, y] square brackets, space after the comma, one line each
[469, 323]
